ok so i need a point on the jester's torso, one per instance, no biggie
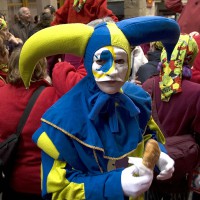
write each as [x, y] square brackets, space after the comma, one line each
[88, 139]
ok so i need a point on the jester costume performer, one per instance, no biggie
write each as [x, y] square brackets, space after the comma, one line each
[181, 62]
[88, 133]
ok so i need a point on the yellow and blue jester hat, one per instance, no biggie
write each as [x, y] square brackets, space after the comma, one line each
[83, 40]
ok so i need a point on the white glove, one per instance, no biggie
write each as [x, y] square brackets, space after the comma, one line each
[136, 179]
[166, 167]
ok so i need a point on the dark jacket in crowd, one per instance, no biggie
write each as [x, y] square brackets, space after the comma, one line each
[21, 30]
[150, 68]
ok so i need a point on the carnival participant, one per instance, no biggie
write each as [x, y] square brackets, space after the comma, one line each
[104, 119]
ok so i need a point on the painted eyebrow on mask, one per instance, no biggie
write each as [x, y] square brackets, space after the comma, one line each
[96, 56]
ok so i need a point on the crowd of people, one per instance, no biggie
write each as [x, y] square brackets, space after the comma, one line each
[86, 134]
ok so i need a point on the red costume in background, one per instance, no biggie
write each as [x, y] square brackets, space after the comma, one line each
[196, 66]
[13, 101]
[92, 9]
[189, 14]
[185, 114]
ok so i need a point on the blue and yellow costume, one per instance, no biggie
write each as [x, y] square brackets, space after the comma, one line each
[87, 134]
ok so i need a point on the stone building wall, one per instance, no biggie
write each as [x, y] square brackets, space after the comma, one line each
[135, 8]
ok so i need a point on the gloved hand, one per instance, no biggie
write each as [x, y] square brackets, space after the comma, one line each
[78, 5]
[136, 179]
[166, 167]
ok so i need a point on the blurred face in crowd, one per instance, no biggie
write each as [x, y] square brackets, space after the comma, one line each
[3, 52]
[4, 33]
[3, 29]
[48, 10]
[2, 17]
[25, 14]
[4, 57]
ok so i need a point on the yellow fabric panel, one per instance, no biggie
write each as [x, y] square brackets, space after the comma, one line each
[47, 146]
[60, 186]
[141, 197]
[118, 39]
[77, 193]
[138, 152]
[153, 126]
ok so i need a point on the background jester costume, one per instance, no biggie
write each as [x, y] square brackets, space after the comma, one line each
[181, 61]
[87, 132]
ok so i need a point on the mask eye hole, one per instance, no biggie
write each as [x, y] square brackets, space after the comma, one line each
[120, 61]
[100, 62]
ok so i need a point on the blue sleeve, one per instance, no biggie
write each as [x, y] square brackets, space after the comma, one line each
[61, 181]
